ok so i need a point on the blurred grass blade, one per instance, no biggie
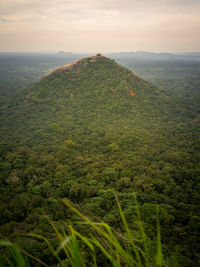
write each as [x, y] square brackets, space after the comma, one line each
[130, 238]
[77, 259]
[20, 260]
[64, 243]
[144, 239]
[16, 254]
[49, 245]
[159, 256]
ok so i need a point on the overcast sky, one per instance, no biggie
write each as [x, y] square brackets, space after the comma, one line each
[100, 25]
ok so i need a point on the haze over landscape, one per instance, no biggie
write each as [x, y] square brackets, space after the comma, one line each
[100, 26]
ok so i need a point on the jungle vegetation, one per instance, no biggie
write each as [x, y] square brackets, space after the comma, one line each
[98, 128]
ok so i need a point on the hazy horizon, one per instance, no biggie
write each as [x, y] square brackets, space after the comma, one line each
[102, 52]
[102, 26]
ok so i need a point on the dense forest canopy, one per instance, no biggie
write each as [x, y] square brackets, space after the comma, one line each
[83, 132]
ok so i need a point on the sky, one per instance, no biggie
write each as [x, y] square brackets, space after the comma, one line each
[100, 25]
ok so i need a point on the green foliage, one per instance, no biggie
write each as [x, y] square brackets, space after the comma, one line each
[68, 144]
[113, 147]
[79, 134]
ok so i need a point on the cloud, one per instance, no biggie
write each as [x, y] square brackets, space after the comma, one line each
[72, 10]
[117, 24]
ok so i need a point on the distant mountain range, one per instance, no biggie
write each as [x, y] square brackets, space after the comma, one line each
[145, 55]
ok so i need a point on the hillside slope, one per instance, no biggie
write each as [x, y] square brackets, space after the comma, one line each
[91, 94]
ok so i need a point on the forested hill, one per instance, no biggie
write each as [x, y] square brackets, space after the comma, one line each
[90, 127]
[91, 95]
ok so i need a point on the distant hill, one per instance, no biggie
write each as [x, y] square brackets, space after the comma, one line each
[142, 55]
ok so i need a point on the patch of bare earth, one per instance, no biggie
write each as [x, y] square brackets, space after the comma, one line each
[77, 64]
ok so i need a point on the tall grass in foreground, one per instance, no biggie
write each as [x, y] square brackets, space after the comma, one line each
[77, 249]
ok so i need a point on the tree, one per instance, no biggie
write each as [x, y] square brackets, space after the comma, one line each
[68, 144]
[113, 147]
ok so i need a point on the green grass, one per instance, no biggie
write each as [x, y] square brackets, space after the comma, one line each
[82, 248]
